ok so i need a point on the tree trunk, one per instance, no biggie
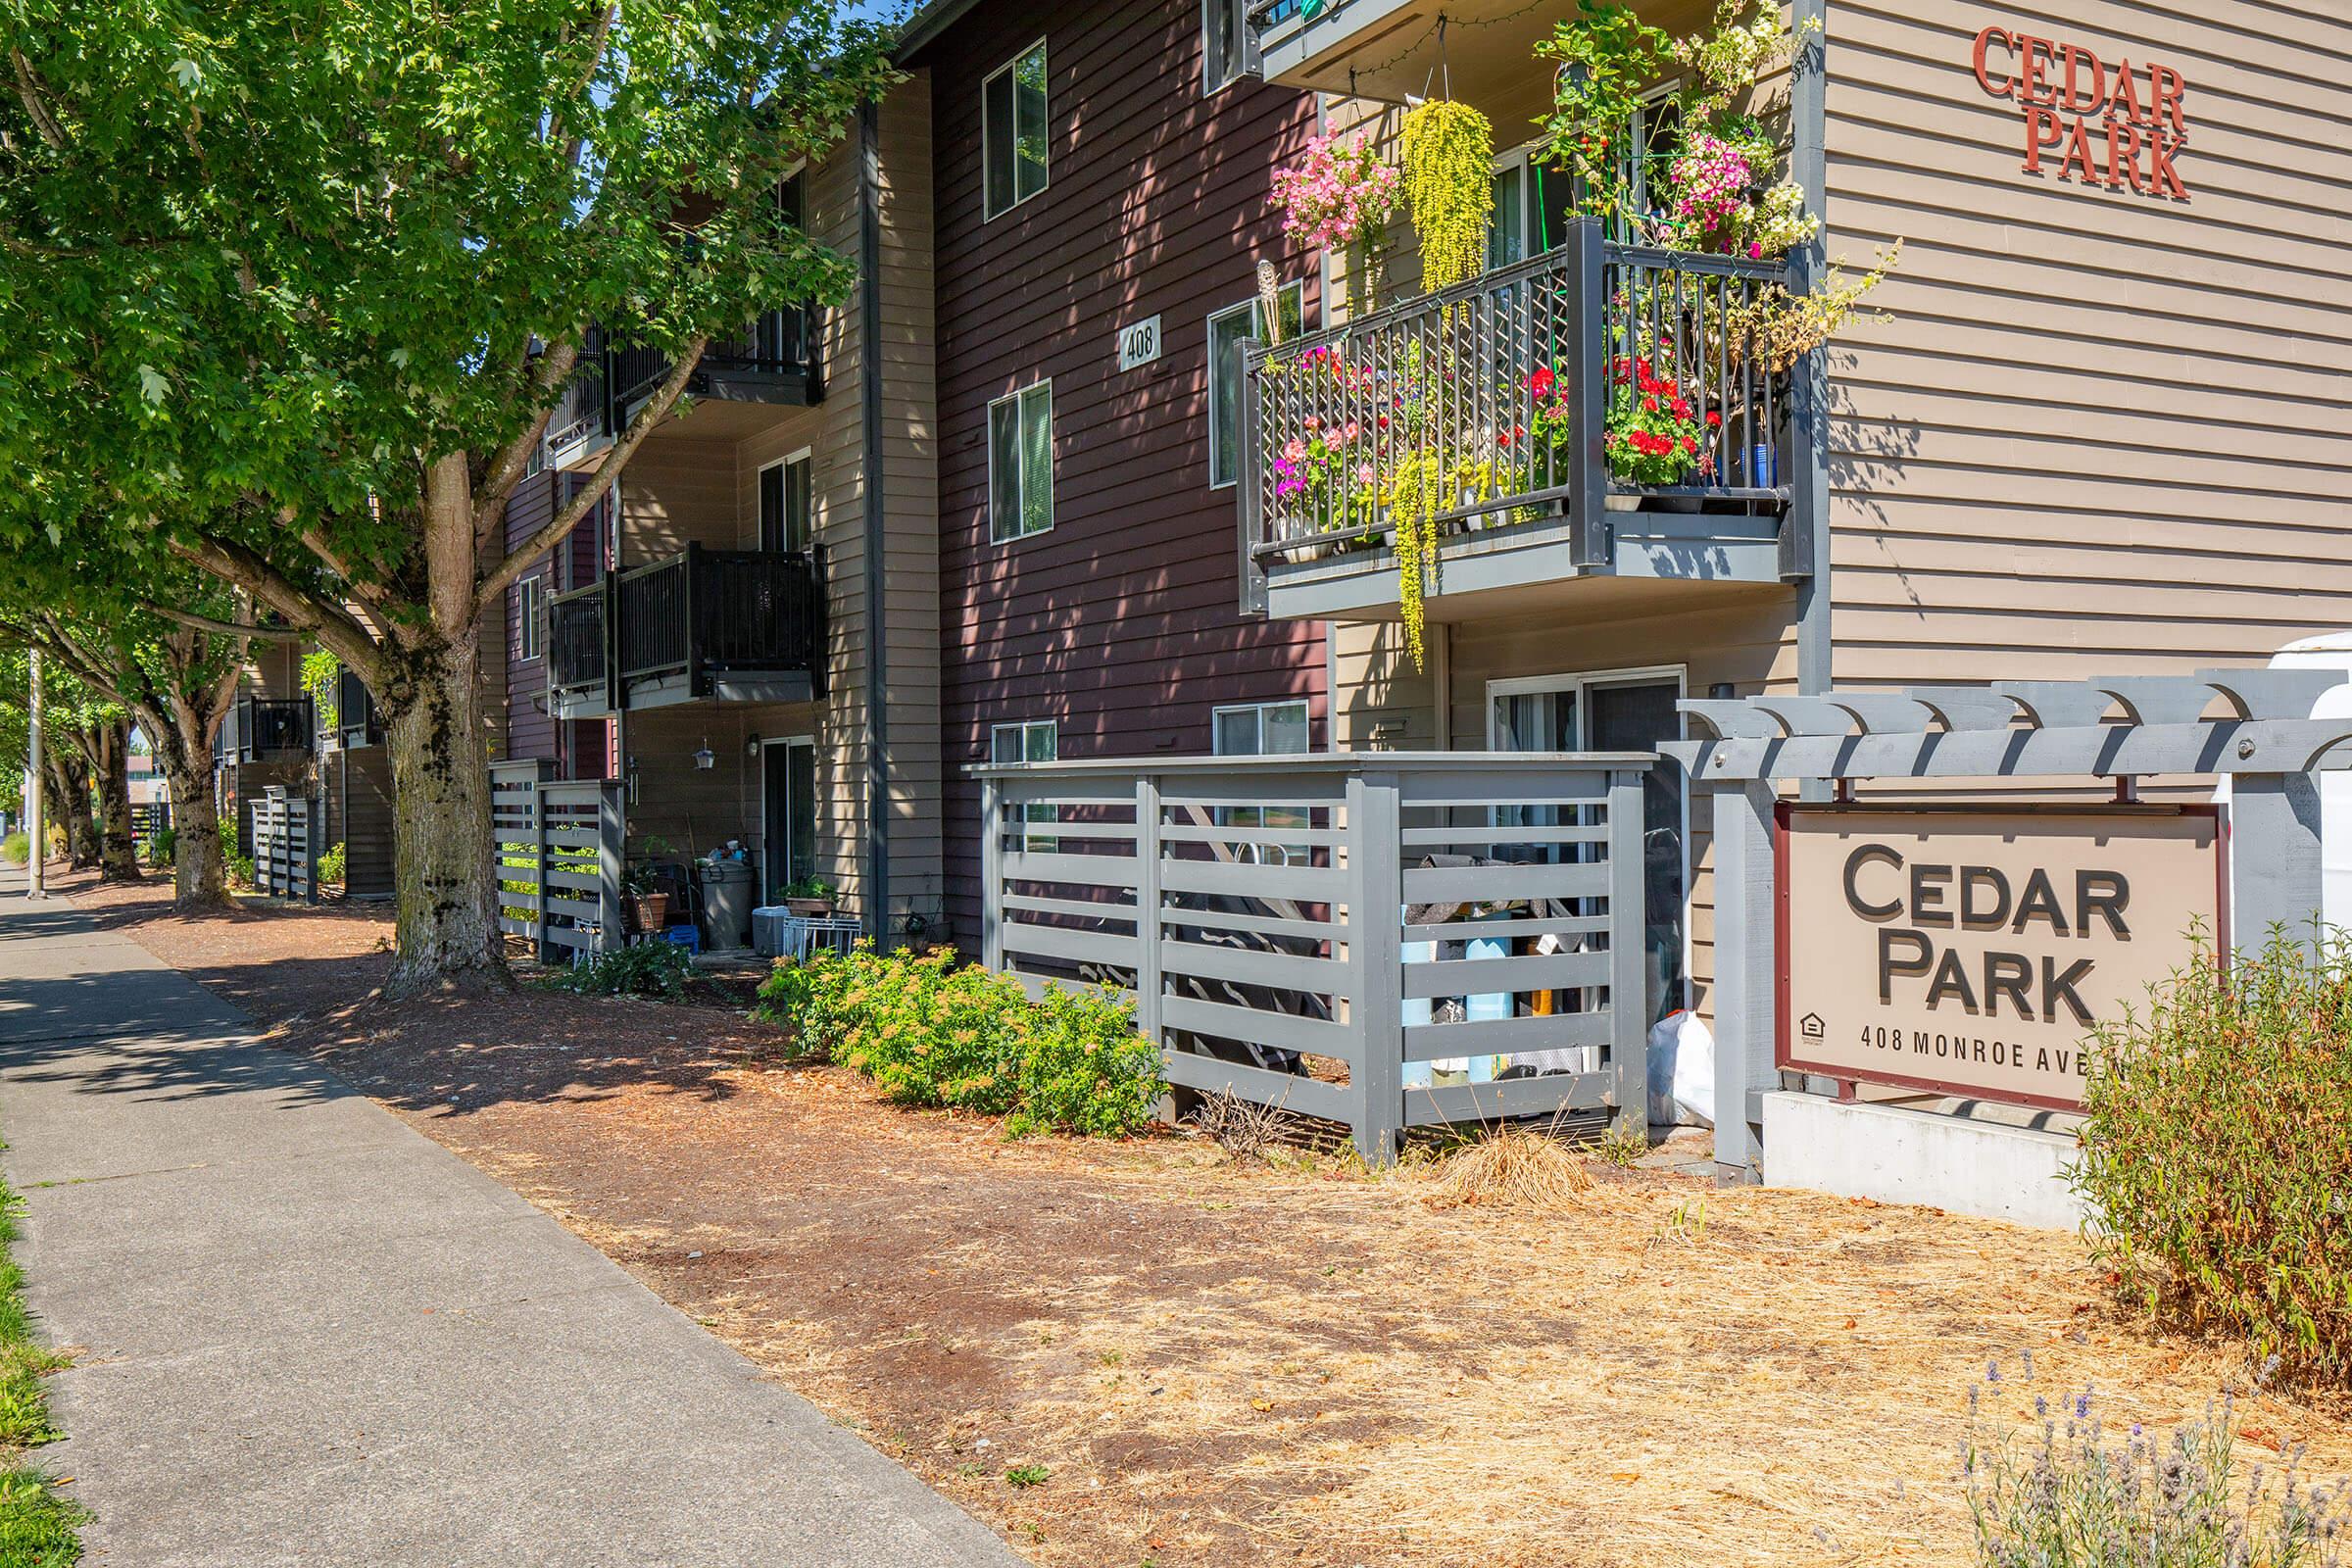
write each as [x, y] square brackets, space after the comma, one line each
[72, 779]
[445, 900]
[117, 849]
[198, 880]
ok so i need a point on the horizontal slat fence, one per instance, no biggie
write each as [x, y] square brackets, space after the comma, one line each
[1383, 940]
[556, 848]
[285, 851]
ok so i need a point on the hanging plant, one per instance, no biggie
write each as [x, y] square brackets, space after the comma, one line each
[1339, 197]
[1450, 186]
[1607, 57]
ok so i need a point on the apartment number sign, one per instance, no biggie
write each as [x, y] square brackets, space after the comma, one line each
[2122, 125]
[1139, 343]
[1972, 951]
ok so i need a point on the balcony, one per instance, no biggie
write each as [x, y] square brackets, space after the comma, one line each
[702, 625]
[1391, 50]
[771, 361]
[1479, 416]
[265, 729]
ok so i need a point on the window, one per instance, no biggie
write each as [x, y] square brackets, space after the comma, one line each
[1225, 43]
[785, 521]
[1262, 729]
[1533, 205]
[1036, 740]
[1021, 463]
[1012, 130]
[1228, 330]
[530, 617]
[1265, 729]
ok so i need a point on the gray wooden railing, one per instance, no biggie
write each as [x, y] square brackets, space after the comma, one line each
[1386, 940]
[1488, 403]
[557, 850]
[285, 852]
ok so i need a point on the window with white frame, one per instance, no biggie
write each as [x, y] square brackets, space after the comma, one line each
[1021, 463]
[1228, 330]
[530, 617]
[1264, 729]
[1225, 43]
[1034, 740]
[785, 504]
[1012, 130]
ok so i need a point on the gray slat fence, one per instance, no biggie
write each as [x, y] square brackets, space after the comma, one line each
[557, 849]
[1386, 940]
[284, 848]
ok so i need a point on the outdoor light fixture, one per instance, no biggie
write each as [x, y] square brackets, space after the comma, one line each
[751, 747]
[705, 758]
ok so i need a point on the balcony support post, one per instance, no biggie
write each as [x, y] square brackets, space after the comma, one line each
[1591, 547]
[614, 686]
[1375, 962]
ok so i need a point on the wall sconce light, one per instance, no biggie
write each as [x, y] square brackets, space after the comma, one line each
[705, 758]
[1721, 691]
[751, 746]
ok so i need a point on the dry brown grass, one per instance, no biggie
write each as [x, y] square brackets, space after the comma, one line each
[1511, 1167]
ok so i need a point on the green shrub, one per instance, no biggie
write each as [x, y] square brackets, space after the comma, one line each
[162, 849]
[2218, 1153]
[17, 848]
[656, 969]
[930, 1033]
[2069, 1498]
[331, 864]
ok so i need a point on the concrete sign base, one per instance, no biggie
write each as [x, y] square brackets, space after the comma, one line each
[1899, 1156]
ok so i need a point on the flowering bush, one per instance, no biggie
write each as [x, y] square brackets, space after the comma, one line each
[1339, 197]
[1655, 435]
[1341, 193]
[930, 1033]
[1707, 192]
[2070, 1496]
[1324, 459]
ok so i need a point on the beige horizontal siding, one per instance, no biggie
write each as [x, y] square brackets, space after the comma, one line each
[2094, 430]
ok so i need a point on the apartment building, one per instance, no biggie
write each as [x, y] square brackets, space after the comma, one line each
[745, 632]
[1102, 215]
[2092, 423]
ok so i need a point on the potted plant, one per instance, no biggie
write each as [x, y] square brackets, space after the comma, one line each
[809, 896]
[652, 903]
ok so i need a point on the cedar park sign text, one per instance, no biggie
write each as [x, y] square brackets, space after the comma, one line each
[1923, 896]
[2094, 119]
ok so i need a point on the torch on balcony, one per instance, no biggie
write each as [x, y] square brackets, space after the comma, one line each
[1602, 409]
[725, 625]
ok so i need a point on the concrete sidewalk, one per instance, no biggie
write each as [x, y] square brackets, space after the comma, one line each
[305, 1334]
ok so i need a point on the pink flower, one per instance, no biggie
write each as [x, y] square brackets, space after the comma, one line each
[1363, 474]
[1295, 450]
[1351, 431]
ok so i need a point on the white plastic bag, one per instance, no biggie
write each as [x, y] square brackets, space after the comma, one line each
[1682, 1072]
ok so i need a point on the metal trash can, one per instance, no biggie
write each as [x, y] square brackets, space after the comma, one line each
[726, 906]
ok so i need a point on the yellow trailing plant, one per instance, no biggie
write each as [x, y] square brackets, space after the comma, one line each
[1450, 186]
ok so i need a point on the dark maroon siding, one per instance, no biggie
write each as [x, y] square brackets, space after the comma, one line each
[1122, 622]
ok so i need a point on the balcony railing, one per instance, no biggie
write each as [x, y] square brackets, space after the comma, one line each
[1489, 406]
[773, 359]
[266, 729]
[732, 624]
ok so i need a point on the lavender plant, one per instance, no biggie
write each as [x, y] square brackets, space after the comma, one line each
[2073, 1495]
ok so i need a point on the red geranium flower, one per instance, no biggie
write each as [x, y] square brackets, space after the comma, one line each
[1541, 382]
[1714, 419]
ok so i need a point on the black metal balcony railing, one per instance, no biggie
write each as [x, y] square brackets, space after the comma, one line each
[575, 640]
[266, 729]
[688, 623]
[1539, 390]
[779, 345]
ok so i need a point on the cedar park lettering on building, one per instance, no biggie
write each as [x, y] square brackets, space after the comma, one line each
[2095, 120]
[1981, 897]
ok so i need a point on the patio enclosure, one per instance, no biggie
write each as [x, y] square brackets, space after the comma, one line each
[1386, 940]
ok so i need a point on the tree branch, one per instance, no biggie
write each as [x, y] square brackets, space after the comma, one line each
[29, 90]
[332, 624]
[226, 629]
[566, 518]
[505, 470]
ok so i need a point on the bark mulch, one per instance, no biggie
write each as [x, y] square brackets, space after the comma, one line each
[1218, 1364]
